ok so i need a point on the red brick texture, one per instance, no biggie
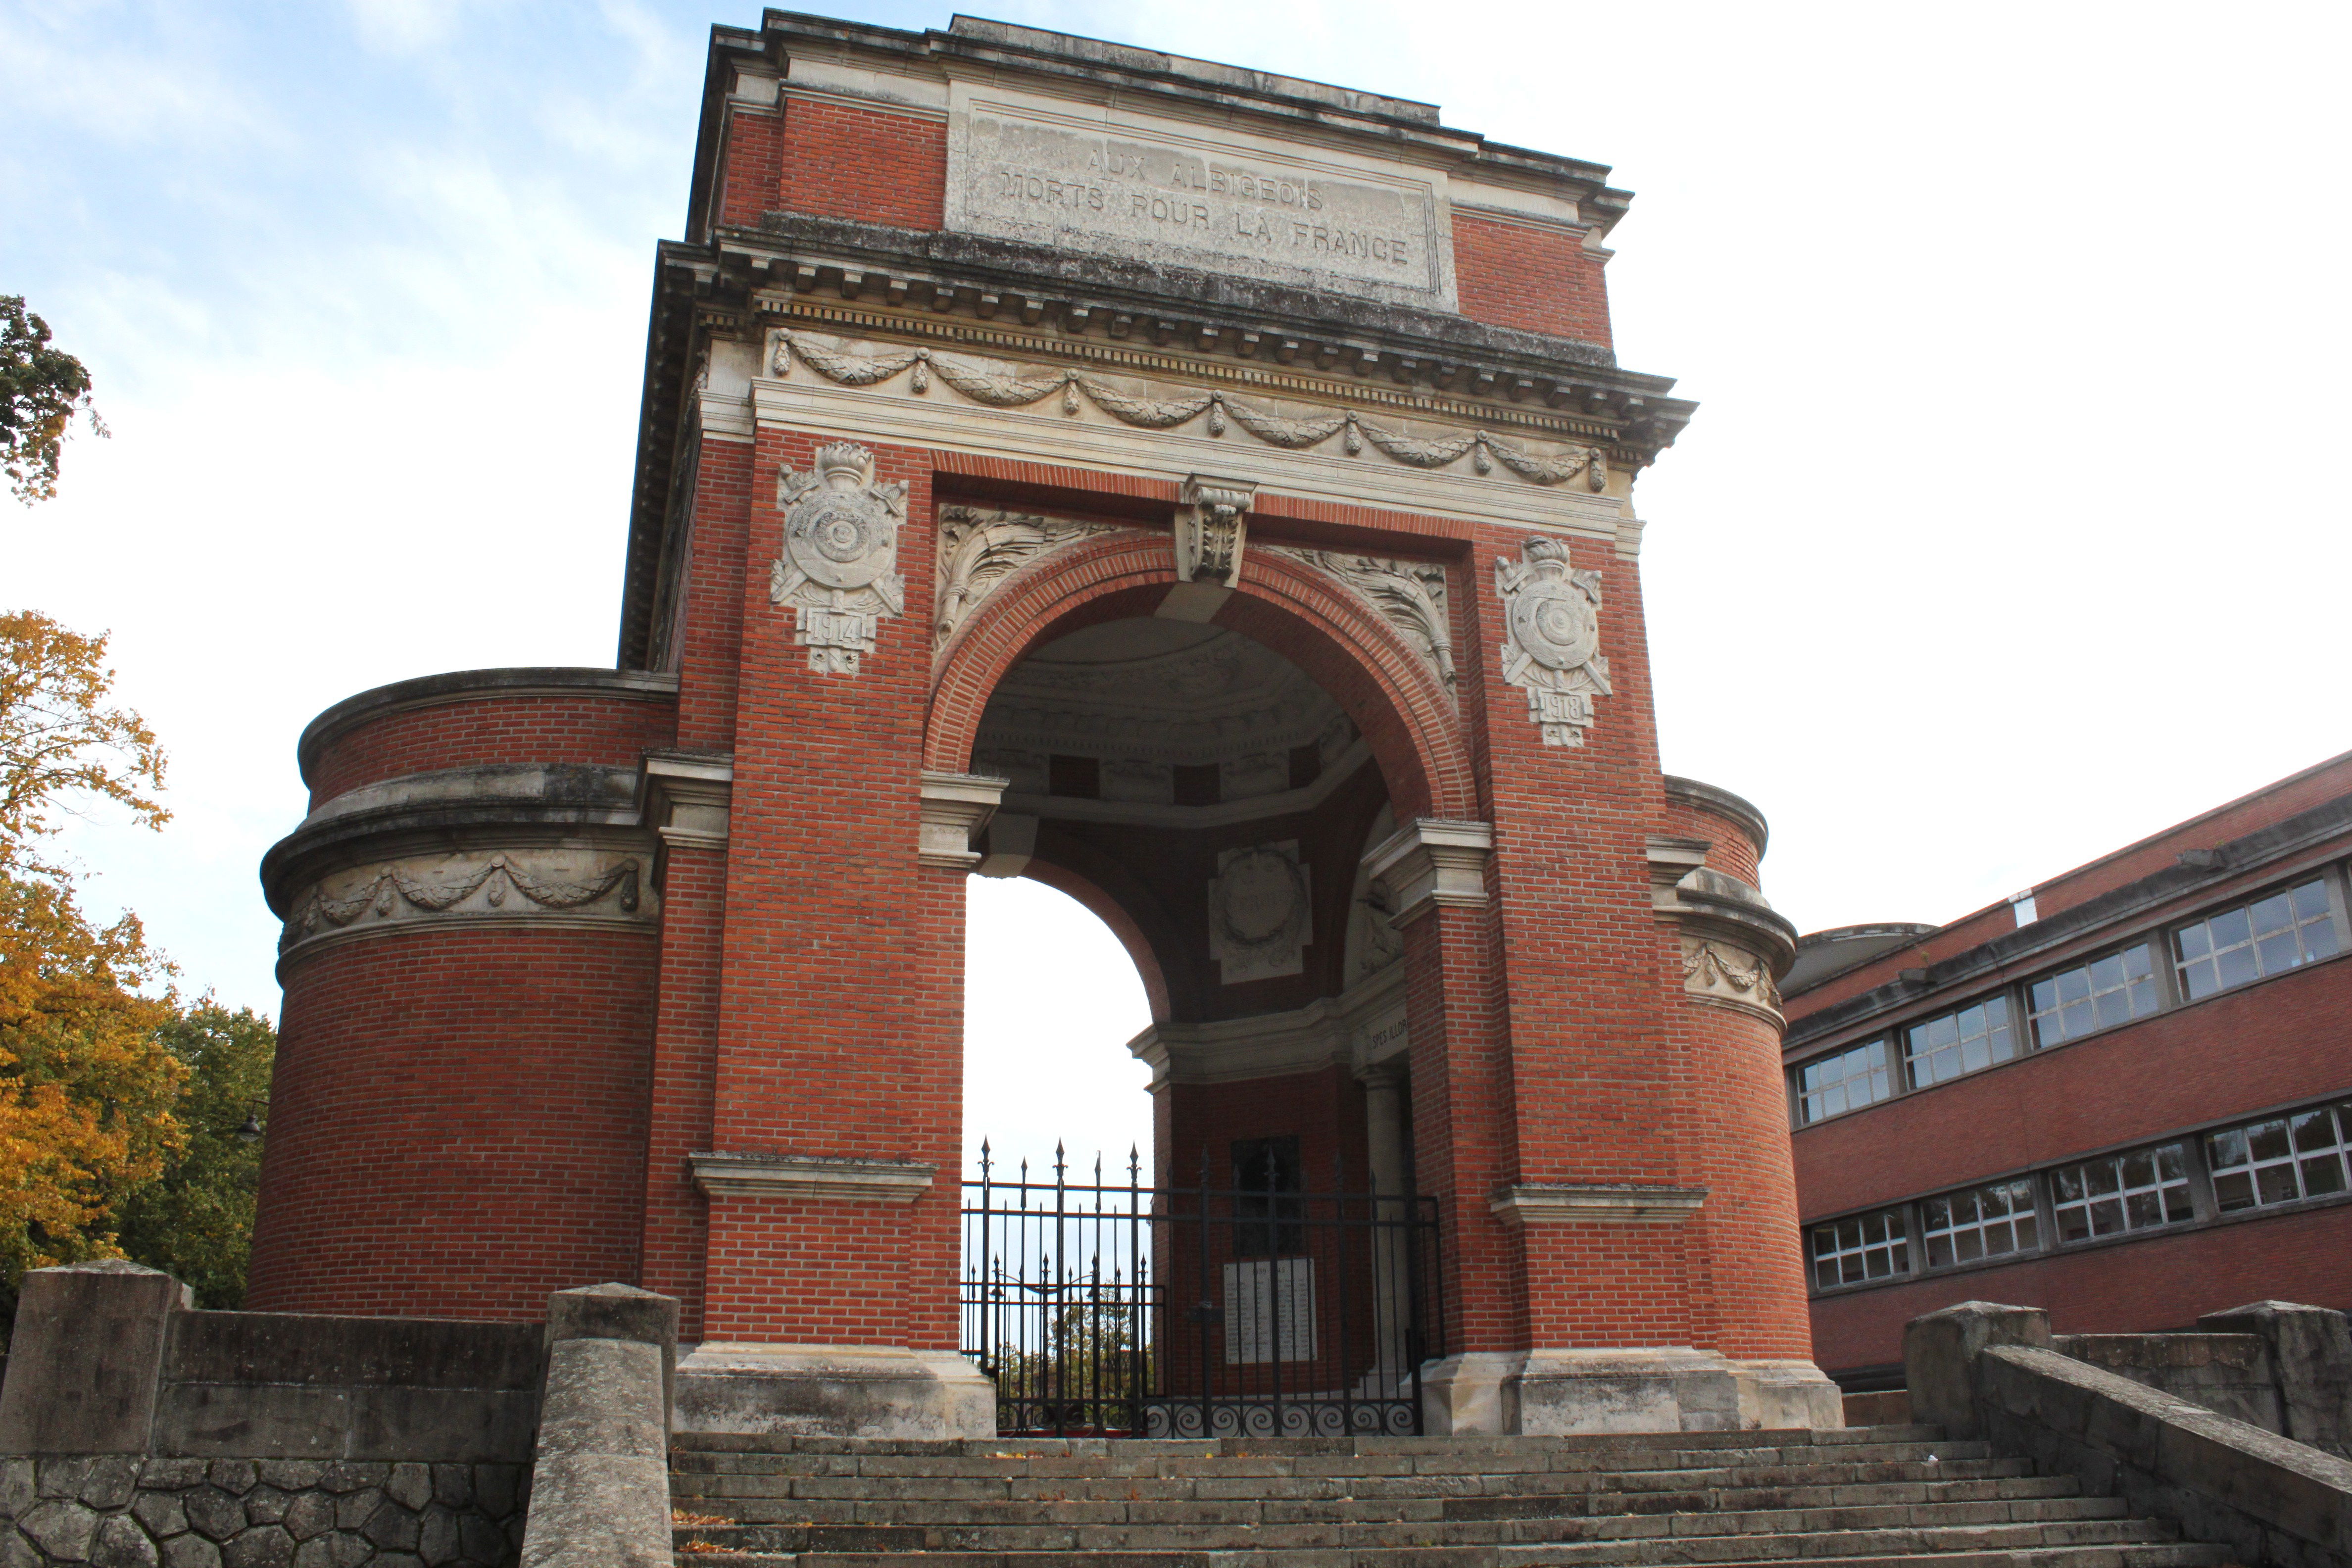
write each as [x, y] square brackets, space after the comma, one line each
[1537, 279]
[608, 728]
[2133, 1286]
[2275, 1042]
[456, 1122]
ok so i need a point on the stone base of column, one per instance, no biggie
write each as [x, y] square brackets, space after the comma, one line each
[832, 1390]
[1560, 1393]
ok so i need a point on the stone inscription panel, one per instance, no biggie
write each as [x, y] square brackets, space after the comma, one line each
[1156, 196]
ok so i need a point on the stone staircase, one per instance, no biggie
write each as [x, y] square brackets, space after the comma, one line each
[1861, 1497]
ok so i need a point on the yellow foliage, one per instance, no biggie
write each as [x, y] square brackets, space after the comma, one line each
[87, 1086]
[60, 743]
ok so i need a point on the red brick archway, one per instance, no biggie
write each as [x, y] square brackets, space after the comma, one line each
[1385, 688]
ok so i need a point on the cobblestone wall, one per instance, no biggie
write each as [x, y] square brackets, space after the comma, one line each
[123, 1511]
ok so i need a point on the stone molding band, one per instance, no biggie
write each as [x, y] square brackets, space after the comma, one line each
[823, 1177]
[1011, 385]
[685, 798]
[1597, 1203]
[1735, 945]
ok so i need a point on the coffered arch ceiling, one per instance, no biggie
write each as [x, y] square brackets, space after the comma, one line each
[1164, 724]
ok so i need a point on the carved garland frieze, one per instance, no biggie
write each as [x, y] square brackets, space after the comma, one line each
[1004, 385]
[838, 573]
[1410, 595]
[1551, 639]
[981, 547]
[575, 882]
[1720, 972]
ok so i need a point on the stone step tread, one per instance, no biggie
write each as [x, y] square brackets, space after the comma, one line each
[2032, 1494]
[982, 1448]
[983, 1488]
[1016, 1461]
[869, 1509]
[1241, 1534]
[2147, 1555]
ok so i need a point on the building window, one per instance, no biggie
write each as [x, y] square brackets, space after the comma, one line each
[1943, 1047]
[2267, 937]
[2098, 995]
[1847, 1081]
[2277, 1162]
[2126, 1191]
[1987, 1222]
[1867, 1246]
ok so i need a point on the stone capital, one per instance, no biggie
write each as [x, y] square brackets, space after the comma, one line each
[956, 806]
[1432, 863]
[685, 797]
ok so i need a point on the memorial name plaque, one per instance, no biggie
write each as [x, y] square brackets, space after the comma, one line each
[1155, 195]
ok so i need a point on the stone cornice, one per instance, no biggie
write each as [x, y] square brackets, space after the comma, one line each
[1597, 1203]
[1716, 801]
[1432, 863]
[513, 806]
[817, 1176]
[474, 684]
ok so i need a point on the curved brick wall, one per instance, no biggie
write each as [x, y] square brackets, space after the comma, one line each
[458, 1122]
[1733, 828]
[487, 716]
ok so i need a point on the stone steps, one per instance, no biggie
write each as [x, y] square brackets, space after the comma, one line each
[1708, 1501]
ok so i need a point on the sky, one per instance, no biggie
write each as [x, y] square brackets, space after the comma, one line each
[2009, 528]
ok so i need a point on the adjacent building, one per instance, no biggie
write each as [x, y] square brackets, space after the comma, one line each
[2123, 1095]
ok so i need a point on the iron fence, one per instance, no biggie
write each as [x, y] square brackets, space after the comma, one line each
[1259, 1310]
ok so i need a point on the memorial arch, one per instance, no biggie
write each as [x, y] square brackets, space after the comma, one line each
[1270, 581]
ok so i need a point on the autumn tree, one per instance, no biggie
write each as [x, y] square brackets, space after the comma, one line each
[41, 389]
[88, 1085]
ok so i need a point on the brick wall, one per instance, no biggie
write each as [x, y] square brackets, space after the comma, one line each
[1537, 279]
[838, 160]
[2164, 1282]
[468, 731]
[2271, 1043]
[456, 1122]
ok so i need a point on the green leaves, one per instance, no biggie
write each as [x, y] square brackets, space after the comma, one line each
[41, 390]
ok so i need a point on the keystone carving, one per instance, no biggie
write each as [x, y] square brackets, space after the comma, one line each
[1551, 639]
[1212, 526]
[839, 569]
[1410, 595]
[1260, 915]
[980, 548]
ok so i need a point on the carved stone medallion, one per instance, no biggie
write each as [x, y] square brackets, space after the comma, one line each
[1260, 914]
[839, 568]
[1551, 639]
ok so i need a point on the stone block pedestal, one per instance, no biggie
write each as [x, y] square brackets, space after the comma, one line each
[832, 1390]
[1560, 1393]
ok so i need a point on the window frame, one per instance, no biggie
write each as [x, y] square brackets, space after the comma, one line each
[1985, 999]
[2325, 878]
[1887, 1066]
[2153, 941]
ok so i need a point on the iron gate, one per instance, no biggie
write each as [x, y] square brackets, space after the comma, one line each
[1259, 1310]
